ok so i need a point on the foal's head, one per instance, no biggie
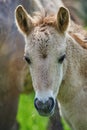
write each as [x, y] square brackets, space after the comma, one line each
[45, 51]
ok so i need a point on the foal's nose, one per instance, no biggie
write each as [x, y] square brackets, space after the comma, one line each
[44, 108]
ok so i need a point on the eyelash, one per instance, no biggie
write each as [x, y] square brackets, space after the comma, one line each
[61, 59]
[27, 59]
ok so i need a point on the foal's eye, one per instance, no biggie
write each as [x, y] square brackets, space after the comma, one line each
[61, 59]
[27, 59]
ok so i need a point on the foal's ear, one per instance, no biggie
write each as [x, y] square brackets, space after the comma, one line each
[23, 20]
[62, 19]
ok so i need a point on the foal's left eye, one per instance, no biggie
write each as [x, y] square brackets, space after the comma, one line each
[27, 59]
[61, 59]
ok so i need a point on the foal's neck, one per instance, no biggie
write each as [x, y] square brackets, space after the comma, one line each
[75, 74]
[71, 71]
[75, 64]
[73, 55]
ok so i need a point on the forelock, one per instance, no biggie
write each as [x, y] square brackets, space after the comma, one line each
[44, 19]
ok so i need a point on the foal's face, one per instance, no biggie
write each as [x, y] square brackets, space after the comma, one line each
[45, 52]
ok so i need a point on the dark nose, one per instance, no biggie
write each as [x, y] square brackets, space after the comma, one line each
[44, 108]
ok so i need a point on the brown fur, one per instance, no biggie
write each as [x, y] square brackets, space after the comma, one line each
[47, 20]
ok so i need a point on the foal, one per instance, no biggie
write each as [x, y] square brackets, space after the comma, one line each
[58, 65]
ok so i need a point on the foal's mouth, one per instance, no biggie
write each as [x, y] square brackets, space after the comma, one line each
[46, 113]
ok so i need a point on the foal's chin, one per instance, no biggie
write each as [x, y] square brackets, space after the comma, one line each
[46, 112]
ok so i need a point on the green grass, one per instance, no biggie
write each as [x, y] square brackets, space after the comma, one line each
[65, 126]
[28, 117]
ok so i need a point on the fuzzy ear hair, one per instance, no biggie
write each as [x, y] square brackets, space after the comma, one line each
[23, 20]
[62, 19]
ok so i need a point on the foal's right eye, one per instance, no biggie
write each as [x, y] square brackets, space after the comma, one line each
[61, 59]
[27, 59]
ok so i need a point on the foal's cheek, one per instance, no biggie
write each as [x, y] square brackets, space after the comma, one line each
[57, 80]
[33, 79]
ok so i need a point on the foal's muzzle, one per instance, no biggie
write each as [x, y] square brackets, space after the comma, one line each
[45, 108]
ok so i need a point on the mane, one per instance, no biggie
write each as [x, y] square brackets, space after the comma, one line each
[81, 42]
[79, 34]
[44, 19]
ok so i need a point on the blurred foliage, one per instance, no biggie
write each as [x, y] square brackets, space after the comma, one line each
[27, 83]
[65, 125]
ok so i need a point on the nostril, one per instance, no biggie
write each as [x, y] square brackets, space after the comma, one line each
[51, 103]
[35, 103]
[38, 104]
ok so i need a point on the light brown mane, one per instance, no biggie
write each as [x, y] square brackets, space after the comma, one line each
[43, 19]
[82, 42]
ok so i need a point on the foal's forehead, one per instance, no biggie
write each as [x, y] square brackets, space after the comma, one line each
[43, 35]
[40, 39]
[44, 39]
